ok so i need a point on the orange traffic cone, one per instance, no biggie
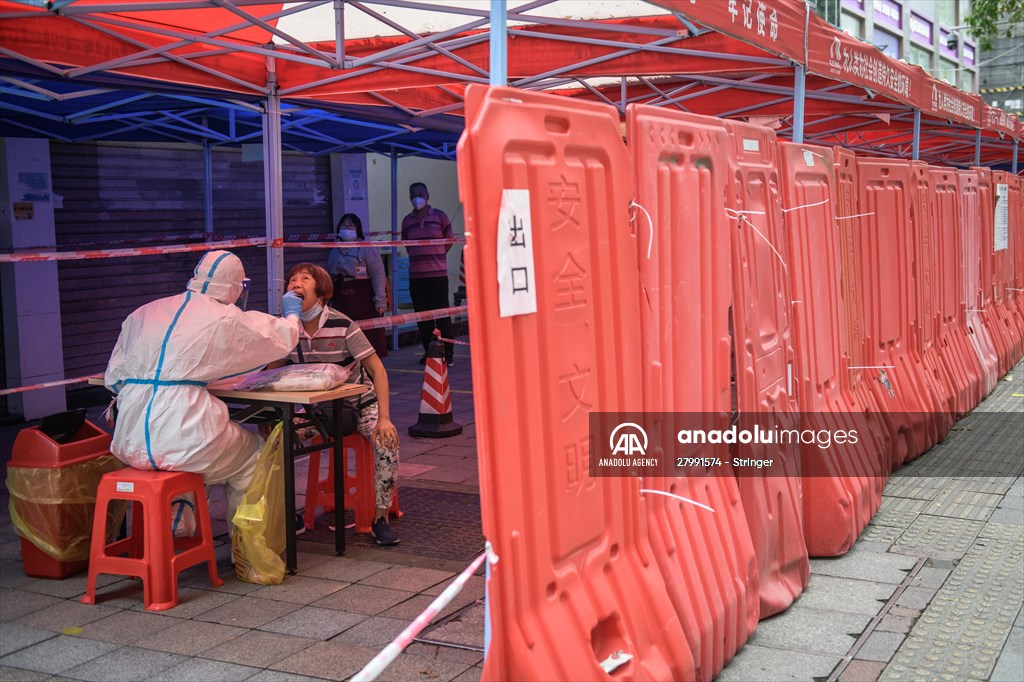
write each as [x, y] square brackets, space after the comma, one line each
[436, 419]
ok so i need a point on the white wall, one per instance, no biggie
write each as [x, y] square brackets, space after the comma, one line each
[31, 305]
[441, 179]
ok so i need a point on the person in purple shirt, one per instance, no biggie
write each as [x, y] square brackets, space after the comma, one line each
[428, 265]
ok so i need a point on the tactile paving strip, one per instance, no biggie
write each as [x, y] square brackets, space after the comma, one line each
[940, 534]
[879, 533]
[994, 486]
[915, 487]
[964, 504]
[900, 512]
[962, 632]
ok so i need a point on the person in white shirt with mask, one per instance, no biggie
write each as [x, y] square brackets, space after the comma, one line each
[360, 282]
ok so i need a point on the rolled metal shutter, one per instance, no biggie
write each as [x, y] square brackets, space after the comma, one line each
[117, 195]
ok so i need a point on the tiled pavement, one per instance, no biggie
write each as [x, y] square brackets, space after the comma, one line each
[933, 590]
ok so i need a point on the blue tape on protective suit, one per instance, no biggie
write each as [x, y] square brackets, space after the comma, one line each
[156, 378]
[213, 269]
[169, 382]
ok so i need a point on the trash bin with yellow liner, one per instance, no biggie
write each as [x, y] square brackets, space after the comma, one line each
[52, 478]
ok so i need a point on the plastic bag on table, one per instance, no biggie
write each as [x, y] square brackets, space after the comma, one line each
[257, 538]
[317, 376]
[52, 507]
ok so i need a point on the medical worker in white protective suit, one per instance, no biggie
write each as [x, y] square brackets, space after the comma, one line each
[169, 350]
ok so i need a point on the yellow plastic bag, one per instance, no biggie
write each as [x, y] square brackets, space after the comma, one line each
[257, 539]
[52, 507]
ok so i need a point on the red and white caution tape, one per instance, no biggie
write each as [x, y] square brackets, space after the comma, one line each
[280, 243]
[379, 322]
[32, 256]
[373, 323]
[36, 256]
[391, 651]
[48, 384]
[204, 236]
[437, 333]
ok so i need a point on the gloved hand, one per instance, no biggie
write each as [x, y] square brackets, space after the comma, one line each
[291, 304]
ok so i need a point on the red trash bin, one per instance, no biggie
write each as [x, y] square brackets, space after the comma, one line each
[52, 485]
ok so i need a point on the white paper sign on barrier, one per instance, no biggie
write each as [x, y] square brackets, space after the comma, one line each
[1001, 224]
[517, 290]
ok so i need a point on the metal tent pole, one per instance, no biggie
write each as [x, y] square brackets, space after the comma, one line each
[499, 42]
[977, 147]
[272, 191]
[1015, 143]
[339, 32]
[499, 76]
[917, 134]
[396, 233]
[799, 94]
[207, 186]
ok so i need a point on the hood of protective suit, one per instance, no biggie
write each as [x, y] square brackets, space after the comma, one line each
[219, 275]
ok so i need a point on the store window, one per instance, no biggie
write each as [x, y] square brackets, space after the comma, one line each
[888, 43]
[920, 56]
[945, 70]
[967, 81]
[853, 25]
[945, 12]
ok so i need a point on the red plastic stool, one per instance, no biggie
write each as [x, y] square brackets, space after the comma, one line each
[153, 553]
[360, 493]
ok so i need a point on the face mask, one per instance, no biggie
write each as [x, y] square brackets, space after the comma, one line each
[347, 235]
[312, 314]
[419, 203]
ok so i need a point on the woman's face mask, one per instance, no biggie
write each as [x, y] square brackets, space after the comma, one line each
[347, 234]
[313, 313]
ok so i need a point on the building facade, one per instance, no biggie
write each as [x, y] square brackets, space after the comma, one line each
[928, 33]
[1002, 72]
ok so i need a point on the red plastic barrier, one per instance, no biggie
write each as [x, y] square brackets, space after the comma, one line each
[992, 278]
[1015, 293]
[883, 426]
[842, 486]
[952, 331]
[679, 160]
[575, 582]
[859, 379]
[885, 257]
[1004, 266]
[764, 360]
[1001, 273]
[929, 289]
[975, 193]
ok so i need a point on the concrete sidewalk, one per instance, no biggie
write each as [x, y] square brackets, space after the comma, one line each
[933, 590]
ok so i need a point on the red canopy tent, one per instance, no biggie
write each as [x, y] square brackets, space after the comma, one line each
[761, 60]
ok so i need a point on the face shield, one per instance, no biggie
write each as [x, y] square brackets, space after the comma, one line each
[243, 300]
